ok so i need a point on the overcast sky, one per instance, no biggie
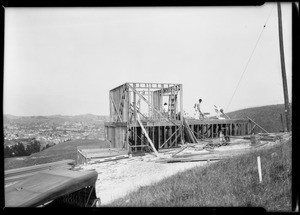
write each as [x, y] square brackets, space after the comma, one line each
[65, 60]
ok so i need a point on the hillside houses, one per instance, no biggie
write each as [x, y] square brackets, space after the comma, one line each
[53, 131]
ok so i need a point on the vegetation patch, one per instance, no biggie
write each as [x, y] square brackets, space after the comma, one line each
[62, 151]
[266, 116]
[230, 182]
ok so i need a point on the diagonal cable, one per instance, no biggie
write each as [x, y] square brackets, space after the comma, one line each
[249, 59]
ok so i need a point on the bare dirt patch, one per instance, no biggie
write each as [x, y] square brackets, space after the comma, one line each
[120, 177]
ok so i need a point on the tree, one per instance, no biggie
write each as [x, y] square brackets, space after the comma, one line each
[7, 152]
[18, 150]
[33, 147]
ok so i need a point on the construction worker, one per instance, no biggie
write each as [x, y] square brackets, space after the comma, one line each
[201, 115]
[219, 111]
[195, 108]
[165, 109]
[222, 112]
[221, 136]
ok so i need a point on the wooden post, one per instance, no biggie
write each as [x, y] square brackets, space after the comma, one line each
[153, 137]
[159, 128]
[149, 110]
[281, 118]
[181, 112]
[165, 129]
[284, 82]
[161, 99]
[259, 169]
[258, 125]
[134, 103]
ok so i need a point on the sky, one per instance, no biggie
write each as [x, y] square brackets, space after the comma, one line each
[65, 60]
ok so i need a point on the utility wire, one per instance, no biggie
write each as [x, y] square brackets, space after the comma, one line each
[249, 59]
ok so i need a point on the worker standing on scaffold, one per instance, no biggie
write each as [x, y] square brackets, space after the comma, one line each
[198, 108]
[165, 109]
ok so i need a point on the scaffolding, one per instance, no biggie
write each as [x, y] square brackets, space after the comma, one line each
[138, 119]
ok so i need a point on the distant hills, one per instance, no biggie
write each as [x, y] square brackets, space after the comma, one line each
[266, 116]
[54, 119]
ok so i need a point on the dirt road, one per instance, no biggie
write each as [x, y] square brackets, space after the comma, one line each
[118, 178]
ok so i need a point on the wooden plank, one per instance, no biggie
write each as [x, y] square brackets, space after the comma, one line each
[169, 137]
[175, 138]
[215, 121]
[116, 109]
[139, 146]
[152, 145]
[142, 84]
[159, 137]
[149, 108]
[135, 135]
[189, 132]
[153, 137]
[165, 135]
[94, 161]
[181, 102]
[134, 102]
[257, 125]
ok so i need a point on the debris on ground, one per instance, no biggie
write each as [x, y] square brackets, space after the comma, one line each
[117, 178]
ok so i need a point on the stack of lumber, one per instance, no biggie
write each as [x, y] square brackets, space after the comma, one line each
[270, 137]
[209, 156]
[96, 155]
[18, 174]
[222, 154]
[94, 161]
[189, 133]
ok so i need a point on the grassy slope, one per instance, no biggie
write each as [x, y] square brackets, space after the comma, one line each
[65, 150]
[231, 182]
[266, 116]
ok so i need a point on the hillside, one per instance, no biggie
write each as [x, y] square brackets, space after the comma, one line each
[230, 182]
[53, 119]
[66, 150]
[266, 116]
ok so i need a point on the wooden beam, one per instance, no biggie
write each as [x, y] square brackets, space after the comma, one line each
[152, 145]
[159, 128]
[252, 129]
[258, 125]
[165, 135]
[134, 103]
[170, 137]
[176, 137]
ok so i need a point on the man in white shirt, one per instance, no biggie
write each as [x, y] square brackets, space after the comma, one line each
[201, 115]
[166, 109]
[219, 111]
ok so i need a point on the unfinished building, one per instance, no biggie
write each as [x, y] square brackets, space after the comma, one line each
[138, 119]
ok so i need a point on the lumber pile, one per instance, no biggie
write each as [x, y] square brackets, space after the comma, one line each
[94, 161]
[88, 155]
[18, 174]
[189, 133]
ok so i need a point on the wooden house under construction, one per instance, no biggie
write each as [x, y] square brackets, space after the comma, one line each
[138, 118]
